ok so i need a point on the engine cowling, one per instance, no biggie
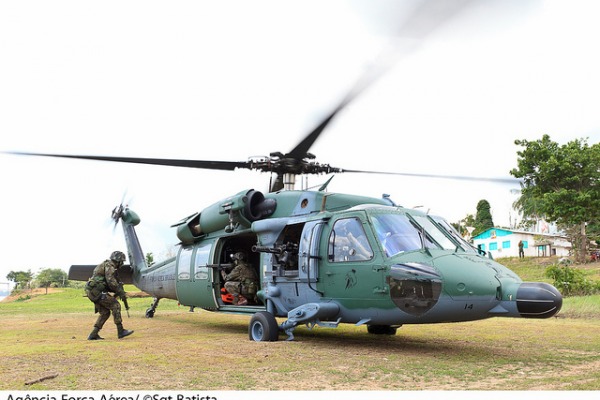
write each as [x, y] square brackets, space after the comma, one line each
[233, 212]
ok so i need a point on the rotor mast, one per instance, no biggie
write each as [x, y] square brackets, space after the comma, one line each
[289, 181]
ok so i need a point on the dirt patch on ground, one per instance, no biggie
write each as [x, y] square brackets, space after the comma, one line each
[27, 294]
[17, 295]
[135, 295]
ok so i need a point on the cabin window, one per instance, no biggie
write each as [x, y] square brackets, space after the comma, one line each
[202, 254]
[183, 263]
[348, 242]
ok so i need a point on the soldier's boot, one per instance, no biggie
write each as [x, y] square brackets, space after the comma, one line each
[121, 332]
[94, 335]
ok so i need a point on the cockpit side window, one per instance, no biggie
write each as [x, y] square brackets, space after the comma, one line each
[437, 235]
[348, 242]
[464, 245]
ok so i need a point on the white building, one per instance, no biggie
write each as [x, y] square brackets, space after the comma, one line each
[502, 242]
[5, 289]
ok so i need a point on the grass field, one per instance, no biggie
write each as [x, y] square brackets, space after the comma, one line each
[44, 336]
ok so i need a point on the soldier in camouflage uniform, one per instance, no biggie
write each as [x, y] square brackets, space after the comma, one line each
[101, 289]
[242, 281]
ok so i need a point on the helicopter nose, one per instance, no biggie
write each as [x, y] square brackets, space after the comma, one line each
[538, 300]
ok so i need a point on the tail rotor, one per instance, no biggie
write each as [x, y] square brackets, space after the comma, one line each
[116, 215]
[120, 211]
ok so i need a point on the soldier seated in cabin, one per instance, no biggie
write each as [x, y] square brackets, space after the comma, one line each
[242, 281]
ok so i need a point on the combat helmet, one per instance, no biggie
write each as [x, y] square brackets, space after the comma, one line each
[118, 256]
[238, 256]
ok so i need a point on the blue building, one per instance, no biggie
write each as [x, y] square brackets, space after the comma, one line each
[501, 242]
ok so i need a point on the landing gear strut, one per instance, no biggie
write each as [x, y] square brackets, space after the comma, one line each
[150, 312]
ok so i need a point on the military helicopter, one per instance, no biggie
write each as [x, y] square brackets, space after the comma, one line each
[323, 259]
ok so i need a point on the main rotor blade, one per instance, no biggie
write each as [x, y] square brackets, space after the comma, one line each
[299, 152]
[203, 164]
[507, 180]
[424, 19]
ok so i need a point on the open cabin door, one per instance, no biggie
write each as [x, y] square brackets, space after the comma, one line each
[308, 252]
[194, 277]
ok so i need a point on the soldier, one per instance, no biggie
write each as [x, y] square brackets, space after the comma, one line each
[101, 289]
[242, 281]
[521, 252]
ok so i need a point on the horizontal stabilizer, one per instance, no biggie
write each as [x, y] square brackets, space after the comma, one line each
[84, 272]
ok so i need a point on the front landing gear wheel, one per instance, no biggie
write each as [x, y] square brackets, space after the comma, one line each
[263, 327]
[149, 313]
[381, 329]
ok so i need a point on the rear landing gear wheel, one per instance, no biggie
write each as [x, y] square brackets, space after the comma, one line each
[150, 312]
[381, 329]
[263, 327]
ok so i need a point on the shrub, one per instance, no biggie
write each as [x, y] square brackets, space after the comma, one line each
[571, 281]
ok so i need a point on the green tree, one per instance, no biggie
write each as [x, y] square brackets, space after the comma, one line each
[530, 208]
[561, 183]
[483, 217]
[149, 259]
[463, 225]
[21, 278]
[46, 277]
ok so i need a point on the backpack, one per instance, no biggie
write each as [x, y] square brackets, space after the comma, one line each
[94, 288]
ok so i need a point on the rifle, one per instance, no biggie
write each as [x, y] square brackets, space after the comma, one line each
[222, 267]
[124, 299]
[124, 296]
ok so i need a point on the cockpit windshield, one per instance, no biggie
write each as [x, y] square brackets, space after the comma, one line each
[398, 234]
